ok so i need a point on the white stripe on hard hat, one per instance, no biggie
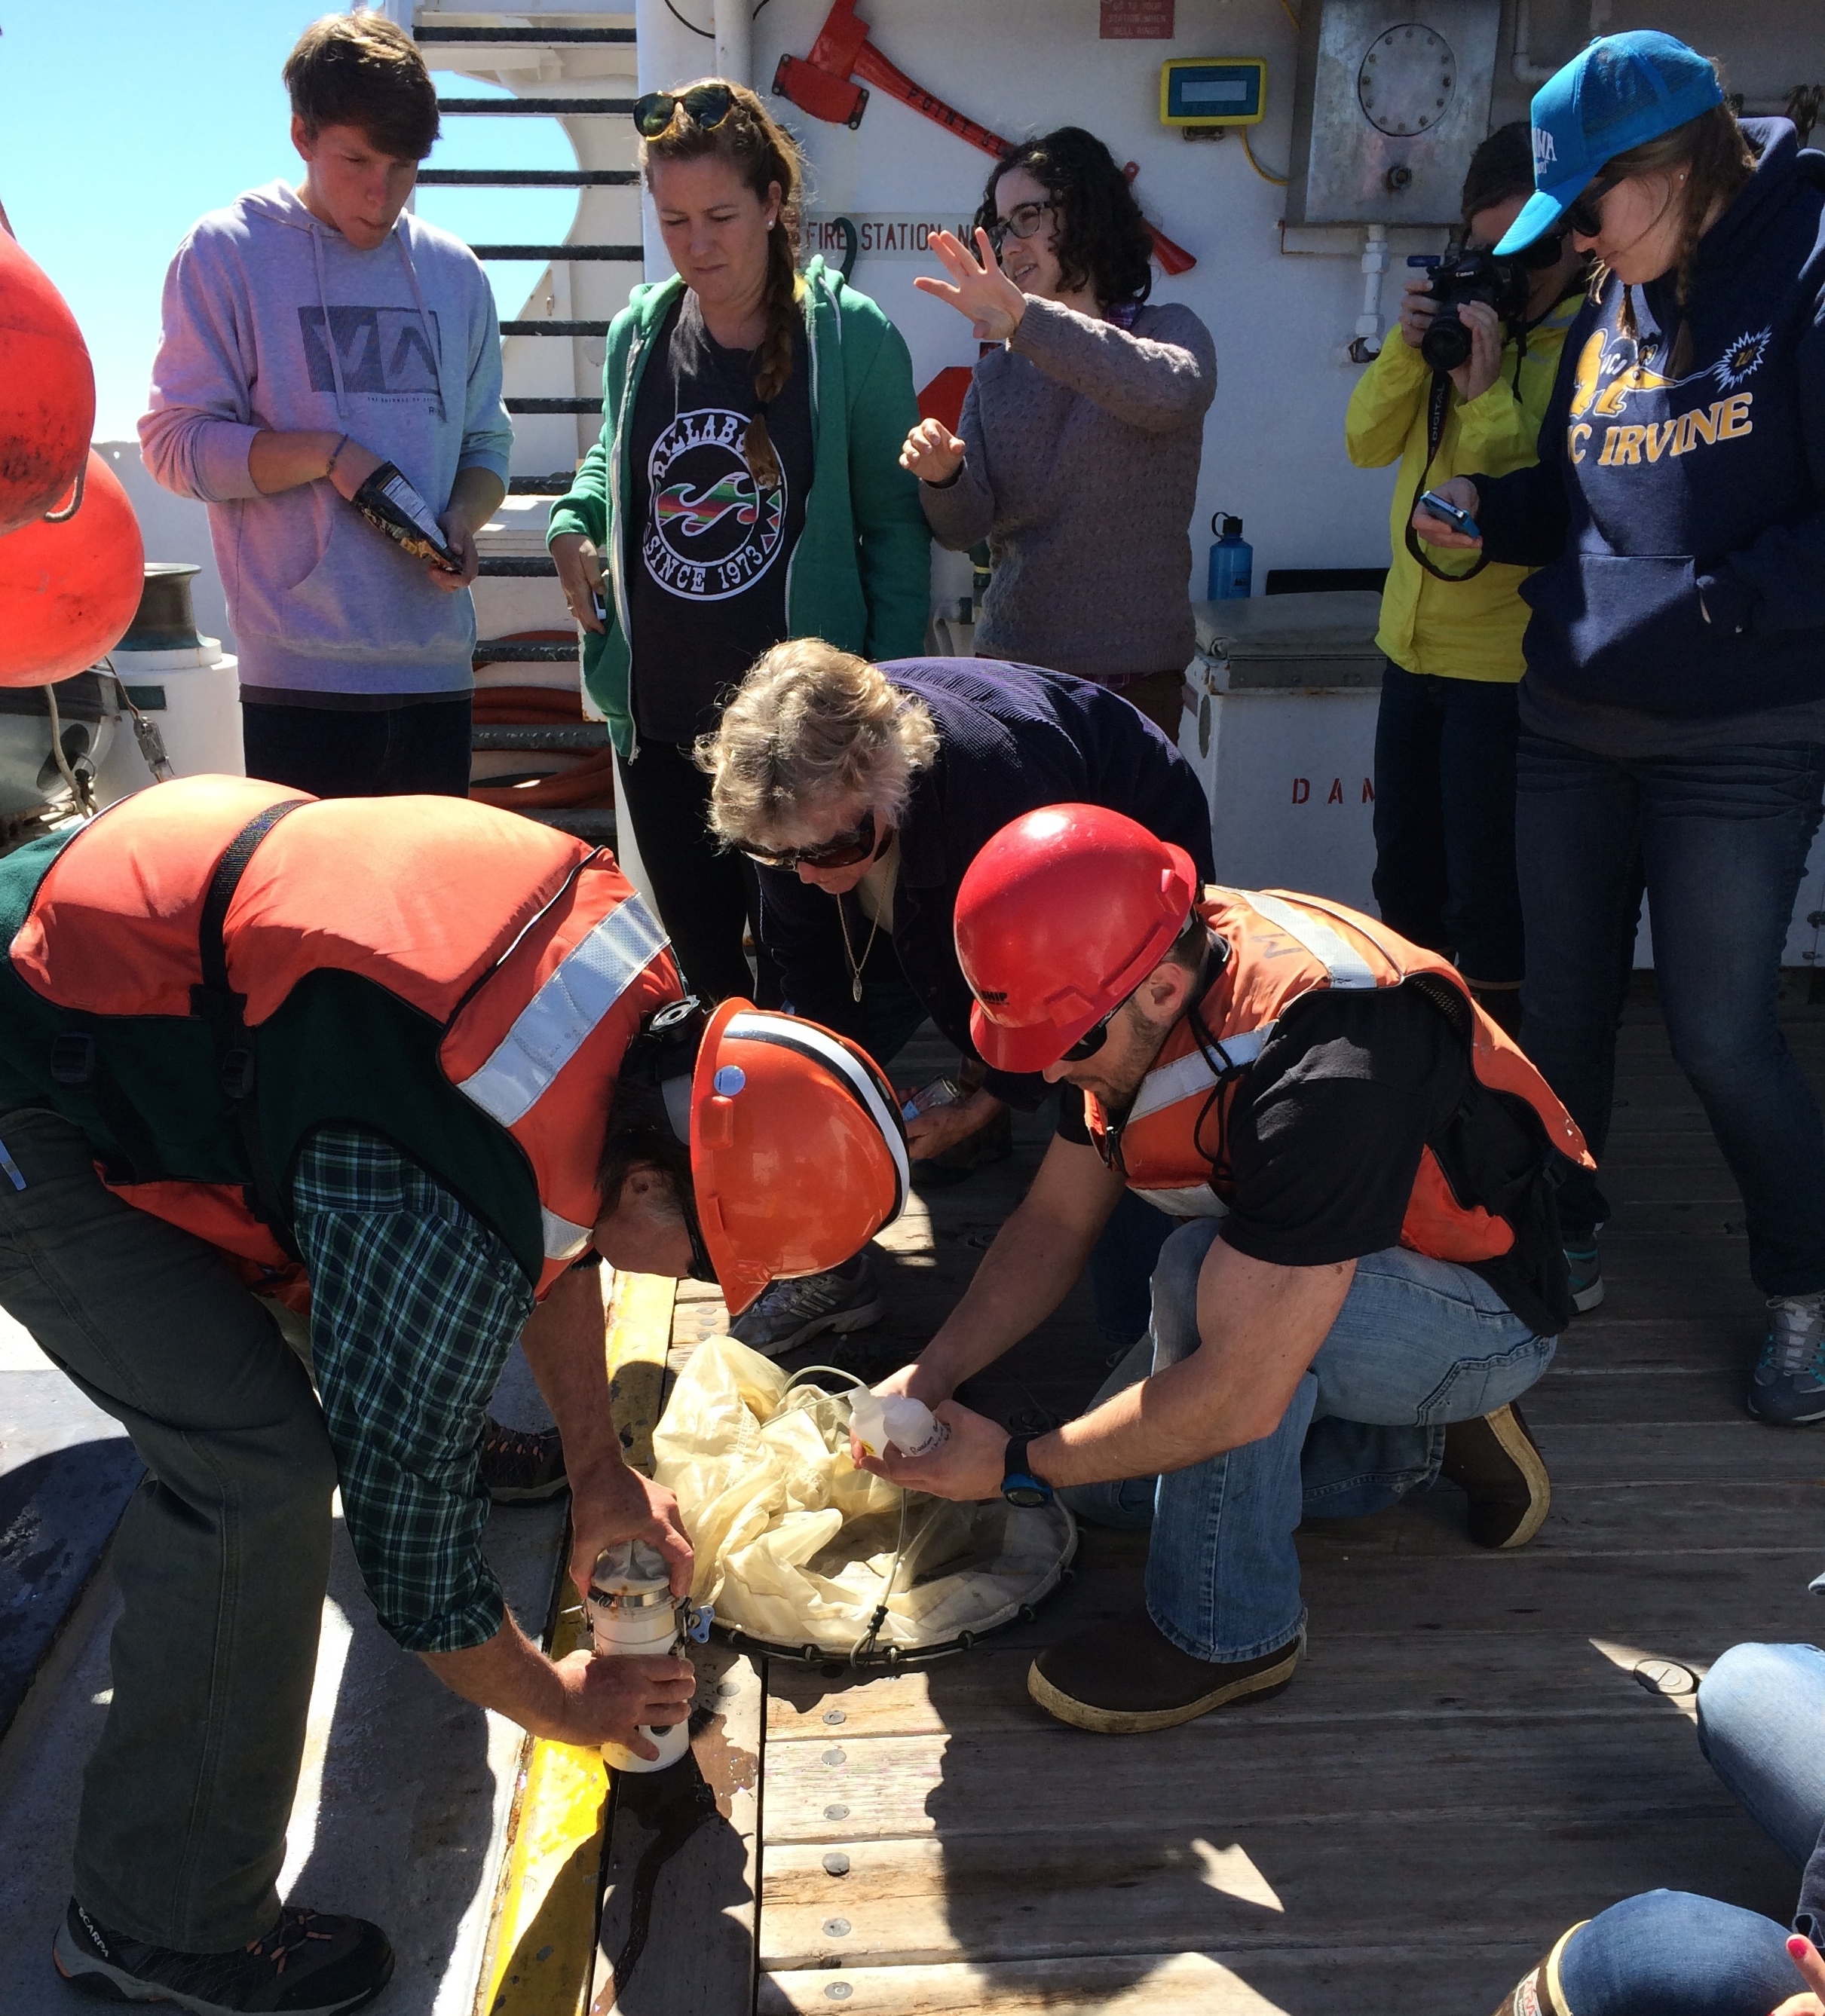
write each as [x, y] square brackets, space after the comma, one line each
[761, 1027]
[560, 1018]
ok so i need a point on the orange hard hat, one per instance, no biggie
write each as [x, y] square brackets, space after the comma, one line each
[798, 1151]
[1059, 918]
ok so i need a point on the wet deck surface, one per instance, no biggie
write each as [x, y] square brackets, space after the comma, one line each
[1465, 1765]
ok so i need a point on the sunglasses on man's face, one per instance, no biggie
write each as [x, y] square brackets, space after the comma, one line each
[706, 105]
[861, 843]
[1093, 1039]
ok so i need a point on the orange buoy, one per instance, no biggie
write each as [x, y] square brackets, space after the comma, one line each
[68, 589]
[47, 392]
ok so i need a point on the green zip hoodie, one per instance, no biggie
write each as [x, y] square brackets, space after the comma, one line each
[859, 576]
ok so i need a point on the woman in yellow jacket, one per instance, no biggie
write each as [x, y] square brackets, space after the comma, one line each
[1445, 740]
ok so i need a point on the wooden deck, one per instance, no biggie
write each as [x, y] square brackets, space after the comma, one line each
[1467, 1765]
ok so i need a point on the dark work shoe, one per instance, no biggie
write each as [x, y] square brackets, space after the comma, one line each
[521, 1466]
[1788, 1382]
[1125, 1677]
[309, 1964]
[1497, 1466]
[992, 1142]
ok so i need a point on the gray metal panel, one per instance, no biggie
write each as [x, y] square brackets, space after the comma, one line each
[1342, 159]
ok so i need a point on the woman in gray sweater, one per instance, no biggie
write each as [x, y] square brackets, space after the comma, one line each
[1081, 433]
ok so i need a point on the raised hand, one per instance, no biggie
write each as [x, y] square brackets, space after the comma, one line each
[977, 287]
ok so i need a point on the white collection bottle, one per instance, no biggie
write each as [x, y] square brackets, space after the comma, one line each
[631, 1610]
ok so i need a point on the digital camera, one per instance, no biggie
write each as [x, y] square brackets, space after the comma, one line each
[1471, 276]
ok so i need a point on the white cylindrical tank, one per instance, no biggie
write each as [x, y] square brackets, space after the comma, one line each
[184, 683]
[631, 1610]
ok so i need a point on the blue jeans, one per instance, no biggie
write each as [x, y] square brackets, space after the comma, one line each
[1721, 839]
[1761, 1727]
[1418, 1343]
[1669, 1954]
[1444, 819]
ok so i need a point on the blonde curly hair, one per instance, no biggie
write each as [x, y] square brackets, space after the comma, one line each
[810, 730]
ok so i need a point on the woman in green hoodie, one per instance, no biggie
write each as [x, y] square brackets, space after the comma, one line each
[746, 489]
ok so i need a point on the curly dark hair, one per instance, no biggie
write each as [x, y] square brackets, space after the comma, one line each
[1102, 240]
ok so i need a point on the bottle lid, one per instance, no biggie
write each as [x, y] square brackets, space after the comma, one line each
[631, 1568]
[1231, 527]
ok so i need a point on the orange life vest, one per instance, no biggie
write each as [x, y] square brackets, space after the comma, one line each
[1281, 948]
[523, 957]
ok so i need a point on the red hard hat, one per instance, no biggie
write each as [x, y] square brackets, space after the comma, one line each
[1059, 918]
[798, 1151]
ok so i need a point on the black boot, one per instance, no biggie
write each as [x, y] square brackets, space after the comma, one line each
[1125, 1677]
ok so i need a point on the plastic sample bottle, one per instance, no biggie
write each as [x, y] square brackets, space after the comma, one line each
[632, 1611]
[877, 1419]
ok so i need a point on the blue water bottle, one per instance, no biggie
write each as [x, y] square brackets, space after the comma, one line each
[1232, 560]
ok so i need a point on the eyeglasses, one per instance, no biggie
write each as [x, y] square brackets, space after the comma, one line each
[1585, 216]
[1093, 1039]
[707, 104]
[1023, 222]
[861, 842]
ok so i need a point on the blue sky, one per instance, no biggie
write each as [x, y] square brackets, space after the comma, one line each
[122, 121]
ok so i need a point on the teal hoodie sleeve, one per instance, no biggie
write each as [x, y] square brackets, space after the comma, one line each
[894, 545]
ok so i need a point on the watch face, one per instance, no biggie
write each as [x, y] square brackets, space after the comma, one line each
[1026, 1494]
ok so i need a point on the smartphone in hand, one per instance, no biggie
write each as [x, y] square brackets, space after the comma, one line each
[1454, 515]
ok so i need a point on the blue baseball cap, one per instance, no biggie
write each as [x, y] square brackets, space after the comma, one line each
[1620, 92]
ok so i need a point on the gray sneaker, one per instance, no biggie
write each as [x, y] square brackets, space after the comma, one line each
[790, 1313]
[1788, 1382]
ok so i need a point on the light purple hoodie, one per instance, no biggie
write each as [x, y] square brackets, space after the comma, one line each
[326, 609]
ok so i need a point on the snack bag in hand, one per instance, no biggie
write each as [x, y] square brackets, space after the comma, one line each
[391, 504]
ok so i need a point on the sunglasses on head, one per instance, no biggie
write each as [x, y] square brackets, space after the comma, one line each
[706, 105]
[861, 842]
[1585, 216]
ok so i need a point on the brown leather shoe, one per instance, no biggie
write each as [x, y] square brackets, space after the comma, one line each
[1497, 1466]
[1126, 1676]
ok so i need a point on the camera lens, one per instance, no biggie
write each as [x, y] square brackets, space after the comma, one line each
[1446, 343]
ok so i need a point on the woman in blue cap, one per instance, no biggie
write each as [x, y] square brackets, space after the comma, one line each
[1673, 708]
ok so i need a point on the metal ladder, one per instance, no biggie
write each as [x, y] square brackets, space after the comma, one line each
[587, 736]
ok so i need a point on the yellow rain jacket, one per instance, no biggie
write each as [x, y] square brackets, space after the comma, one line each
[1463, 630]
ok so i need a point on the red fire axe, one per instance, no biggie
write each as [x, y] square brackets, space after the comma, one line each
[822, 84]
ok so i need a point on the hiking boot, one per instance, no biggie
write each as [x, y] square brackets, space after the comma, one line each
[992, 1142]
[790, 1313]
[1497, 1466]
[521, 1466]
[1587, 1276]
[309, 1964]
[1126, 1676]
[1788, 1382]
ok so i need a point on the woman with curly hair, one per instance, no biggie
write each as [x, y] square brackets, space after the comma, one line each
[1089, 416]
[744, 491]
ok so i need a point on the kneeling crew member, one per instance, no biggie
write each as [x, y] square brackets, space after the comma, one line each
[414, 1064]
[1371, 1276]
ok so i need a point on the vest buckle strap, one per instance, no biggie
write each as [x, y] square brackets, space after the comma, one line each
[237, 1073]
[72, 1057]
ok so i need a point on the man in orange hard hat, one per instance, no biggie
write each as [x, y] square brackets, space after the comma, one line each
[1369, 1275]
[413, 1065]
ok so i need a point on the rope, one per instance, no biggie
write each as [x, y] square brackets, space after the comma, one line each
[79, 794]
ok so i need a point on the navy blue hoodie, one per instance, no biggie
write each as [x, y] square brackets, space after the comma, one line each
[1678, 524]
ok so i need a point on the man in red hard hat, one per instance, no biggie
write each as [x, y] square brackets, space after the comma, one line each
[414, 1066]
[1369, 1275]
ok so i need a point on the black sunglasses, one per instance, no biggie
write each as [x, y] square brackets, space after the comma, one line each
[707, 104]
[861, 843]
[1093, 1039]
[1585, 216]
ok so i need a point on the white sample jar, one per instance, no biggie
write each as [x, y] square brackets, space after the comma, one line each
[877, 1419]
[631, 1610]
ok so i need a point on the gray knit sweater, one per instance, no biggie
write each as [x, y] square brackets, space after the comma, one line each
[1084, 440]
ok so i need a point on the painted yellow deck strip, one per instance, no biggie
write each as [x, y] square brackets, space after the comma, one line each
[543, 1948]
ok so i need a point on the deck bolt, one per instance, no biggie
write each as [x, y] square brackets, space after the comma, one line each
[836, 1863]
[836, 1928]
[836, 1813]
[835, 1715]
[839, 1991]
[833, 1757]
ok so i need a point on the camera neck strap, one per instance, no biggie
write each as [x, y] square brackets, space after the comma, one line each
[1437, 407]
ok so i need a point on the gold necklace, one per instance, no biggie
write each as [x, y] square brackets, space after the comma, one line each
[848, 950]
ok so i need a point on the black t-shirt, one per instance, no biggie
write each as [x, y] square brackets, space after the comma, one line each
[706, 556]
[1325, 1131]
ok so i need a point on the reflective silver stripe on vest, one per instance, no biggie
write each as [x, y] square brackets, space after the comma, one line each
[558, 1020]
[1191, 1074]
[1347, 968]
[1200, 1202]
[563, 1240]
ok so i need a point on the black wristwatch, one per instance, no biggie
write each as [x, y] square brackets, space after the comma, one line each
[1020, 1484]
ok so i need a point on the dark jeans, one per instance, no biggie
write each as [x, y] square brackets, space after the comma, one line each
[1721, 838]
[352, 752]
[708, 895]
[221, 1558]
[1444, 819]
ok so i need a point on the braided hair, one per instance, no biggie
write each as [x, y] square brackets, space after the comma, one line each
[1716, 159]
[762, 153]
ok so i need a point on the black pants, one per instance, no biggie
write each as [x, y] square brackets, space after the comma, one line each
[1444, 876]
[707, 896]
[352, 752]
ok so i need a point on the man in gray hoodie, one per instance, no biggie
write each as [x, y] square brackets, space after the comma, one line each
[323, 346]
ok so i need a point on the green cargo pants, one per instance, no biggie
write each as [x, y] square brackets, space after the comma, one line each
[221, 1558]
